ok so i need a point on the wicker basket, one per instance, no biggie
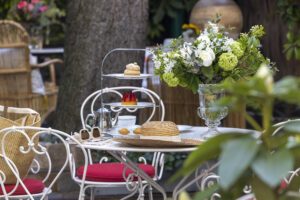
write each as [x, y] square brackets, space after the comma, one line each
[13, 141]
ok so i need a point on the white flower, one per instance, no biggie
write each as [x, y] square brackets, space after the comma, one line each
[169, 66]
[198, 51]
[206, 58]
[169, 63]
[214, 27]
[188, 47]
[204, 38]
[184, 54]
[211, 52]
[165, 59]
[201, 46]
[265, 73]
[157, 63]
[176, 55]
[227, 44]
[186, 51]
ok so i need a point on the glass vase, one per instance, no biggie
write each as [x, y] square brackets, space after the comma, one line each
[208, 111]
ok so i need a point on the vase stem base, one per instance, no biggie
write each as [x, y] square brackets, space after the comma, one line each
[211, 132]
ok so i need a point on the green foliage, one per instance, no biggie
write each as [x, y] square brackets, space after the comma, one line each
[174, 161]
[160, 9]
[206, 151]
[260, 159]
[289, 11]
[206, 194]
[266, 166]
[211, 58]
[261, 190]
[5, 7]
[239, 160]
[49, 22]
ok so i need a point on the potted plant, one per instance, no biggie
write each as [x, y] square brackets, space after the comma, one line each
[36, 16]
[262, 160]
[208, 60]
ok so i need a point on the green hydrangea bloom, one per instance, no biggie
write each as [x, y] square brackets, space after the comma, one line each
[183, 84]
[257, 31]
[170, 79]
[237, 49]
[228, 61]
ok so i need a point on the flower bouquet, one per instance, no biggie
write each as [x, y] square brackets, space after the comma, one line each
[36, 16]
[210, 58]
[28, 12]
[31, 10]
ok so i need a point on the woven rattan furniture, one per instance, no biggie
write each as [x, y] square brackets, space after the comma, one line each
[15, 72]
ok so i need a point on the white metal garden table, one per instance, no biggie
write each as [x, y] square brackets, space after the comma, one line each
[117, 150]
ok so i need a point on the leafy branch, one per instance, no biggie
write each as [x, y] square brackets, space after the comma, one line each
[289, 11]
[160, 9]
[263, 158]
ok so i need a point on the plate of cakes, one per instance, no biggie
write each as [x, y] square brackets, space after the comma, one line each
[129, 100]
[154, 134]
[132, 71]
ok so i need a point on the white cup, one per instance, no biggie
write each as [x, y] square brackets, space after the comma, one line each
[126, 120]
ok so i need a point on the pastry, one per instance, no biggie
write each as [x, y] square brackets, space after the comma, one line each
[85, 135]
[132, 69]
[137, 131]
[159, 128]
[133, 66]
[129, 98]
[96, 132]
[129, 72]
[124, 131]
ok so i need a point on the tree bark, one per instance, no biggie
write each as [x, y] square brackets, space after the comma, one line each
[94, 27]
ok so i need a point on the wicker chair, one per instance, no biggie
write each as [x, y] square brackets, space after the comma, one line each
[15, 72]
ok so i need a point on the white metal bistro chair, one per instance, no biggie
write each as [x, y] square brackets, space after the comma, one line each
[113, 174]
[33, 188]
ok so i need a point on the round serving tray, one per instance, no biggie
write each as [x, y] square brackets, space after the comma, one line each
[157, 143]
[139, 105]
[128, 77]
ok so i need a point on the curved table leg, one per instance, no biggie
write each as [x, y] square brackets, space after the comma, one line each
[140, 173]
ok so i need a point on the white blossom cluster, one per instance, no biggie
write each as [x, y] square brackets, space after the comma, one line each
[210, 58]
[199, 53]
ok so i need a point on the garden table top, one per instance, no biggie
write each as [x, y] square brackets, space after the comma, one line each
[193, 133]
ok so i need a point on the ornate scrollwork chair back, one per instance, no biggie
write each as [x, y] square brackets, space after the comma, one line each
[157, 161]
[31, 187]
[97, 96]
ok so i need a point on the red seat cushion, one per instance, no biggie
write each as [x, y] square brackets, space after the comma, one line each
[111, 172]
[34, 186]
[283, 185]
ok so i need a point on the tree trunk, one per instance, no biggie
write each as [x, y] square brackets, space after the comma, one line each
[94, 27]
